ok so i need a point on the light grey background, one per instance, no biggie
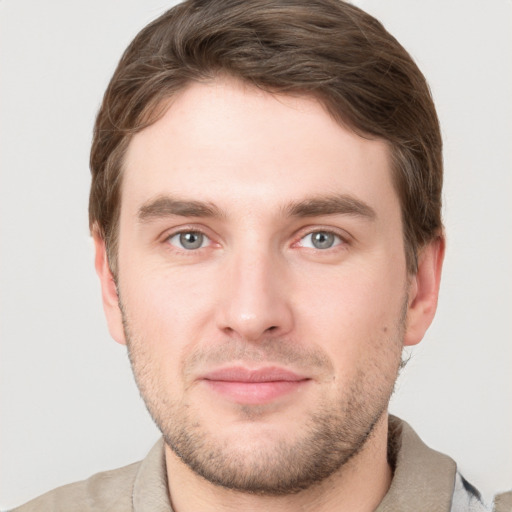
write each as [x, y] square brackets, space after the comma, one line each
[69, 406]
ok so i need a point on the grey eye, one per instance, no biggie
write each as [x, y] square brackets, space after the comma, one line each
[320, 240]
[189, 240]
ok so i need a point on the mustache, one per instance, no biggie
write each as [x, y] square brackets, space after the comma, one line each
[275, 351]
[281, 352]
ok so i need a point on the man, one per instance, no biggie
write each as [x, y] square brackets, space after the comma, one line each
[265, 207]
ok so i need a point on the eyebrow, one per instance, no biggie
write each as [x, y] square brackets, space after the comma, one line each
[166, 206]
[340, 204]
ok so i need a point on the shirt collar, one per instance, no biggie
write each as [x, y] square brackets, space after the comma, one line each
[423, 479]
[150, 489]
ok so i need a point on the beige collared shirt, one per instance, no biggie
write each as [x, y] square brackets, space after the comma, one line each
[424, 481]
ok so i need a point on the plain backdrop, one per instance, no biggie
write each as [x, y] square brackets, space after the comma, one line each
[69, 406]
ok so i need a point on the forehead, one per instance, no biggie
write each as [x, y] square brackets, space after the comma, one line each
[227, 142]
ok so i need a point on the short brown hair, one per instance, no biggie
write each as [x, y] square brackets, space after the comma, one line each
[329, 49]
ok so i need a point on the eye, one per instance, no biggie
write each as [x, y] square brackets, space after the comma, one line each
[189, 240]
[320, 240]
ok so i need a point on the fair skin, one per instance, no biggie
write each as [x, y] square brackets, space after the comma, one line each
[265, 297]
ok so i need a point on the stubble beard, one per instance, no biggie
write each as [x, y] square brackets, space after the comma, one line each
[334, 433]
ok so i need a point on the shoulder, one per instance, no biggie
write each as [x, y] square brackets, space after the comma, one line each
[109, 490]
[503, 502]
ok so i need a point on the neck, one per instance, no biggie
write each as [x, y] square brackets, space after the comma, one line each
[359, 486]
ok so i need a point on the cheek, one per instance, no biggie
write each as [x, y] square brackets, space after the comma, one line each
[351, 311]
[169, 308]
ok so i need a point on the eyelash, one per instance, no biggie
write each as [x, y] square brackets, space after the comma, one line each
[174, 234]
[340, 240]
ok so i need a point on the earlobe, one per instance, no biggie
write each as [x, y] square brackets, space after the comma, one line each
[108, 290]
[424, 291]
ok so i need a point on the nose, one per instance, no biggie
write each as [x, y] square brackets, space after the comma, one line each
[255, 301]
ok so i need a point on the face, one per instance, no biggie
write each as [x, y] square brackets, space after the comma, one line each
[262, 283]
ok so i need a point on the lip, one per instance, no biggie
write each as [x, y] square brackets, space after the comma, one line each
[253, 386]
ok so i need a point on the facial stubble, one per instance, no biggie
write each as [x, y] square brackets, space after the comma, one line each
[272, 464]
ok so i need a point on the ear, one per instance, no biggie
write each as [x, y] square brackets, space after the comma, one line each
[424, 291]
[108, 290]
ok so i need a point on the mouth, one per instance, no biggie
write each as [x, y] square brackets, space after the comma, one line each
[254, 386]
